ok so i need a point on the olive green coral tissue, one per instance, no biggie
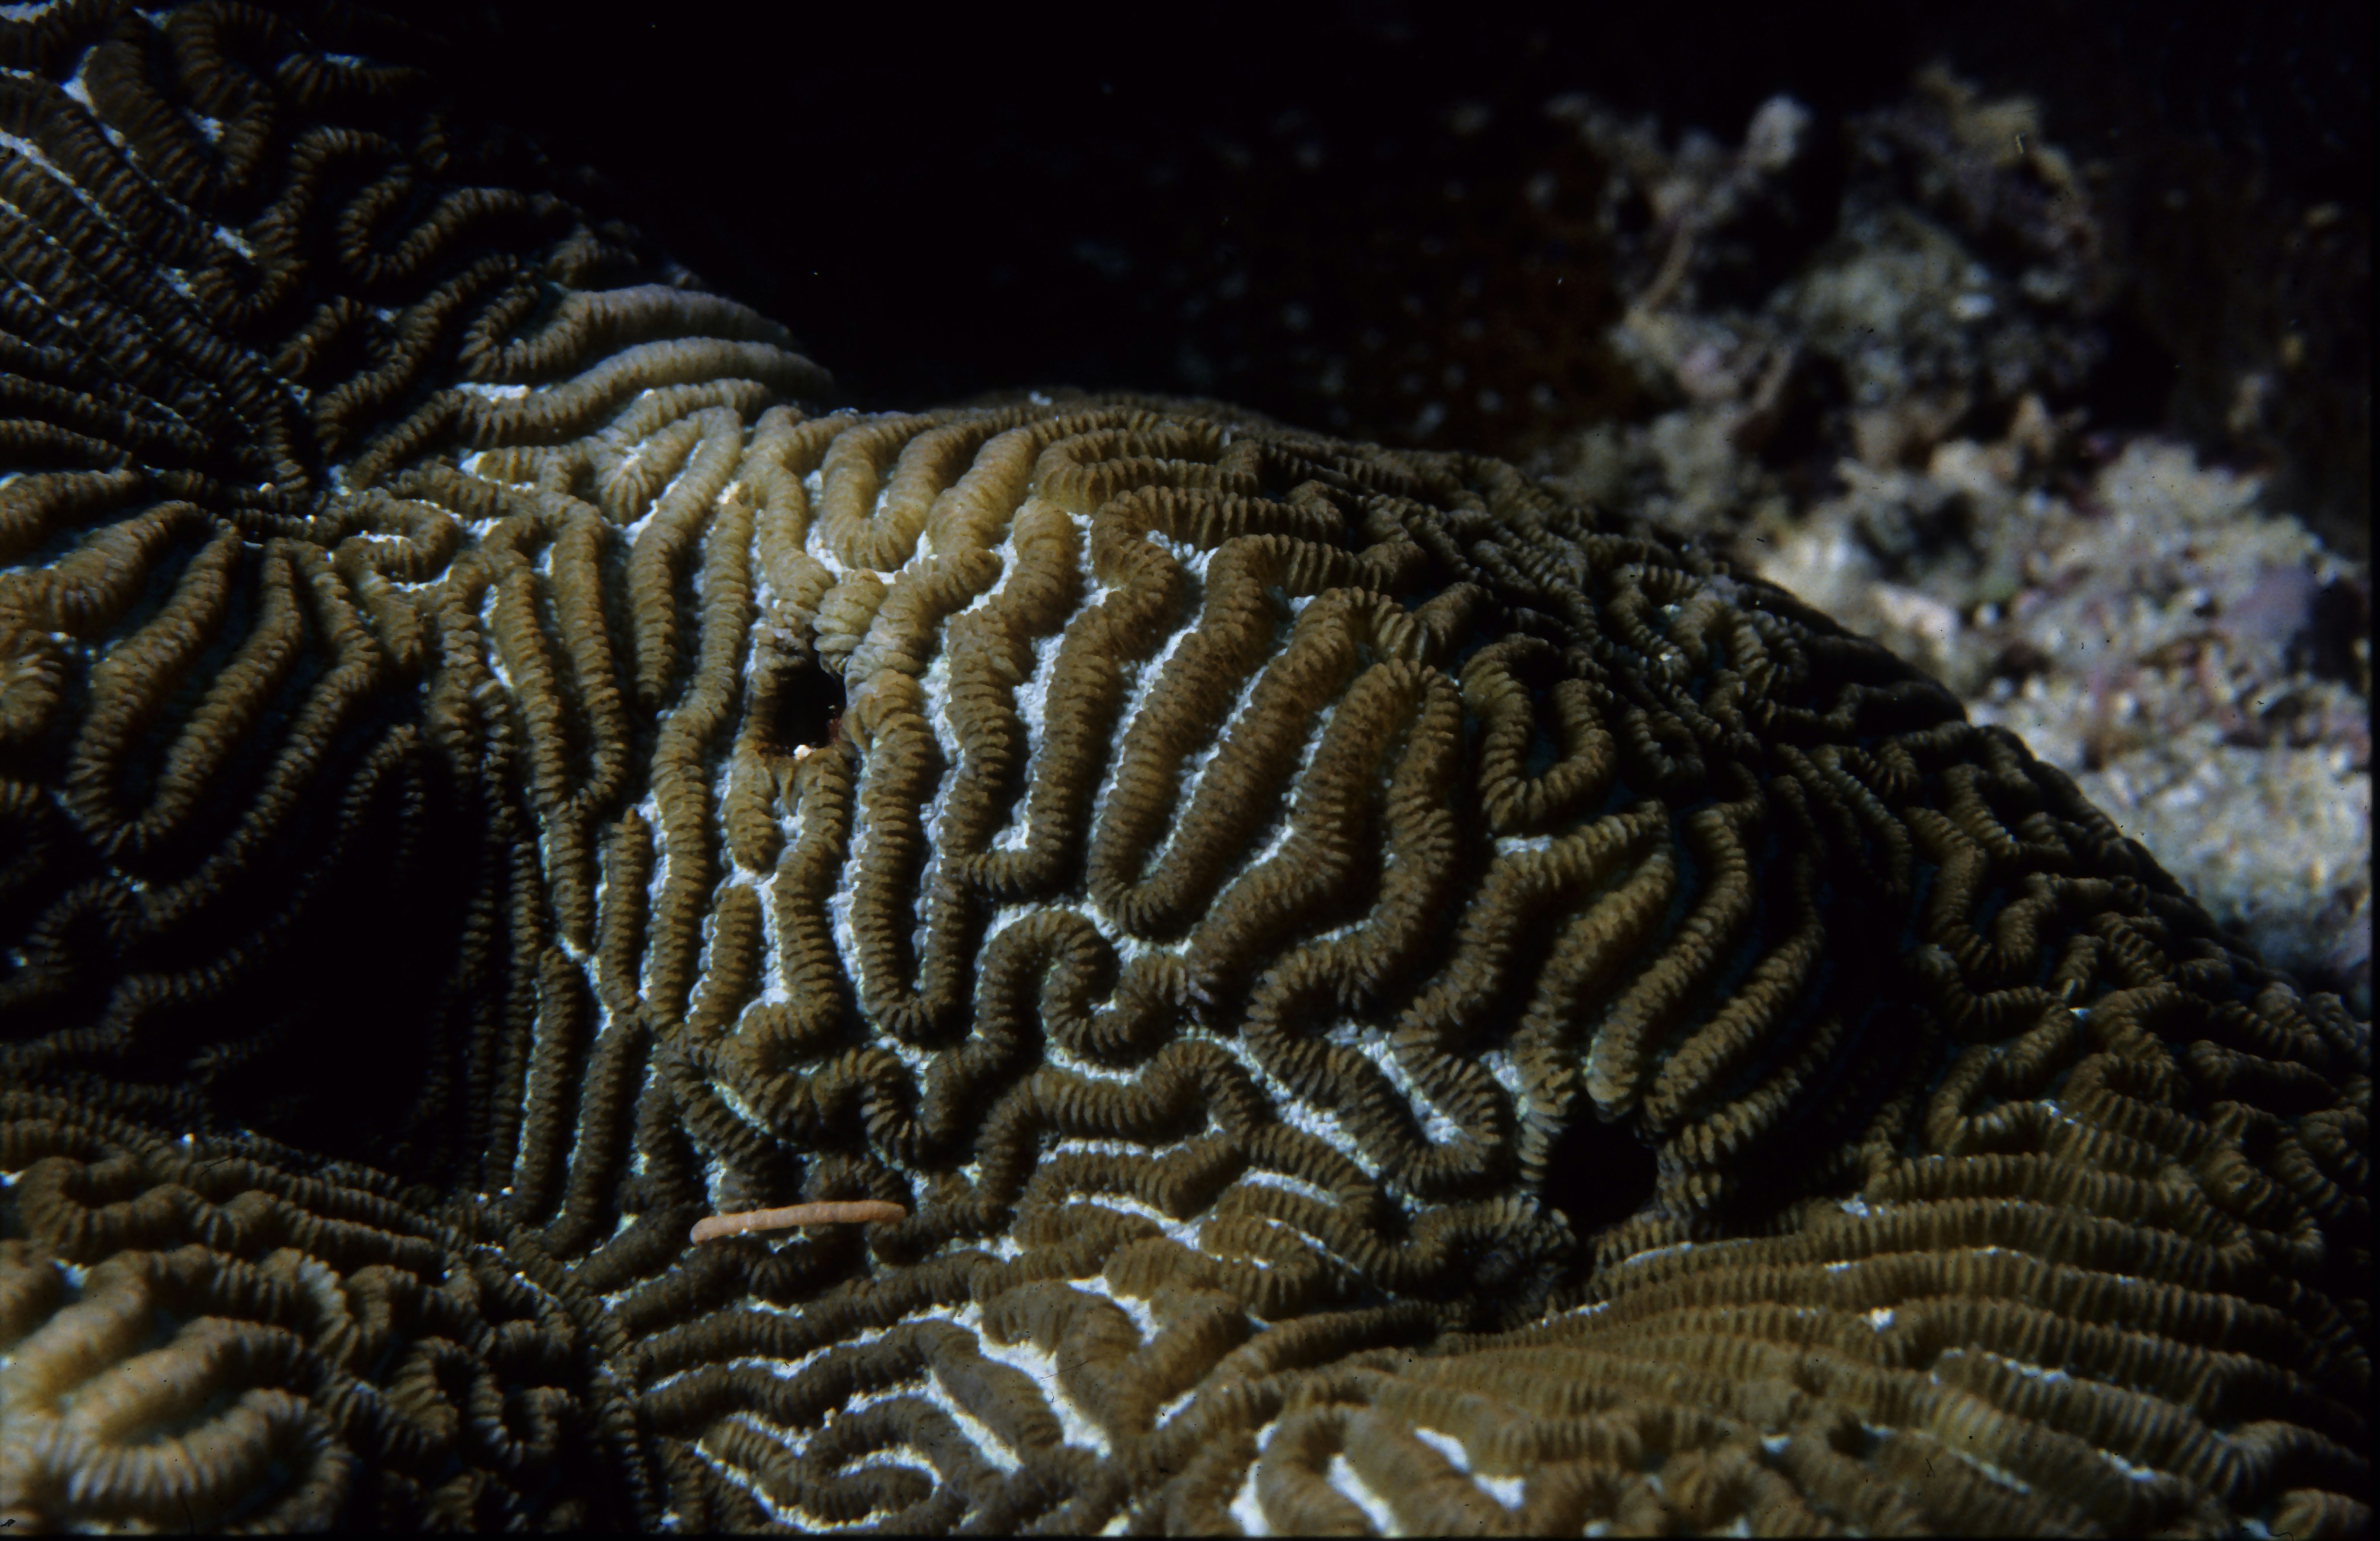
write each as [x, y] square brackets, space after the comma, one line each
[1350, 992]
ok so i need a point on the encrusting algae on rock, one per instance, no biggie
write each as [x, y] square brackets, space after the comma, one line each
[1382, 997]
[1852, 366]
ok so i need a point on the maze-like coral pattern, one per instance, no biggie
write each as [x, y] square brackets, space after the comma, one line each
[1389, 1000]
[196, 1334]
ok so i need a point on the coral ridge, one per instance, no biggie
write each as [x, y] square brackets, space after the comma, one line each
[1357, 992]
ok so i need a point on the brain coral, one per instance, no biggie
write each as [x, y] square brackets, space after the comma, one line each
[1385, 999]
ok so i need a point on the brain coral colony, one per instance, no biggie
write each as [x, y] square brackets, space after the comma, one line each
[1320, 988]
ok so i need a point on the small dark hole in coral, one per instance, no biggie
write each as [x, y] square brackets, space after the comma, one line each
[807, 710]
[1599, 1173]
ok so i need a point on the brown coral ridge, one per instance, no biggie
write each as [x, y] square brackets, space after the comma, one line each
[193, 1330]
[1387, 1000]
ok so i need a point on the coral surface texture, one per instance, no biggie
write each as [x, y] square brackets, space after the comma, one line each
[1383, 998]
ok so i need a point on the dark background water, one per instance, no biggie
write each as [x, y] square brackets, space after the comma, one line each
[1224, 199]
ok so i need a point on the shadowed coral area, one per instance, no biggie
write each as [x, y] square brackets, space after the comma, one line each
[1387, 1000]
[199, 1334]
